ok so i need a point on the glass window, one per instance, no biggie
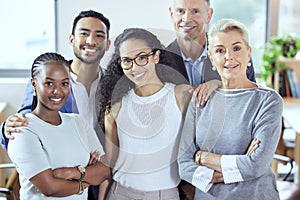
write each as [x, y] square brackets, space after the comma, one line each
[253, 13]
[289, 17]
[27, 30]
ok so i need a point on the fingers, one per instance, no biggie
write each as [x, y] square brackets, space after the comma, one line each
[253, 146]
[94, 157]
[201, 94]
[13, 124]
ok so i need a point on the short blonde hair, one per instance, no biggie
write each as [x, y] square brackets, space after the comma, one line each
[226, 25]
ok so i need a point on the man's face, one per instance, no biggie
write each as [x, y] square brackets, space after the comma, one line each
[190, 18]
[90, 40]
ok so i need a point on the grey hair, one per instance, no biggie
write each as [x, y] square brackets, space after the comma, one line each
[207, 2]
[226, 25]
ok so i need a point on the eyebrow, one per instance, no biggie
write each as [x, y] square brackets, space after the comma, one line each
[221, 45]
[65, 79]
[136, 54]
[85, 29]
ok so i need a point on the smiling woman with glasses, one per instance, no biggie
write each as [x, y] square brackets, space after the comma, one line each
[144, 110]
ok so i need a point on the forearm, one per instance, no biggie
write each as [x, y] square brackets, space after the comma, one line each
[97, 173]
[210, 160]
[104, 189]
[50, 185]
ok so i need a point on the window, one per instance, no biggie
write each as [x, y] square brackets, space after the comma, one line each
[252, 13]
[28, 29]
[289, 17]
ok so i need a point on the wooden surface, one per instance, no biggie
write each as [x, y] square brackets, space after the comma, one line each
[291, 113]
[3, 155]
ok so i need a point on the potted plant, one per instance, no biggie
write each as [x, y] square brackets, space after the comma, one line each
[286, 46]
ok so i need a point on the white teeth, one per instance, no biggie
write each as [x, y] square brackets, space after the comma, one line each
[90, 50]
[56, 100]
[138, 75]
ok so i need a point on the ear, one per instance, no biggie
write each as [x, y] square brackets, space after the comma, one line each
[209, 15]
[108, 42]
[170, 12]
[33, 83]
[71, 39]
[249, 53]
[157, 56]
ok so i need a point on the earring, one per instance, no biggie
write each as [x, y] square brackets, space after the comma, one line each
[249, 64]
[214, 68]
[34, 93]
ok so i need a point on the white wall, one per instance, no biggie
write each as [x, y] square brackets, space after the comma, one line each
[12, 92]
[152, 15]
[122, 14]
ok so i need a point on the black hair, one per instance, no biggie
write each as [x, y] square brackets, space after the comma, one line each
[91, 13]
[114, 84]
[42, 60]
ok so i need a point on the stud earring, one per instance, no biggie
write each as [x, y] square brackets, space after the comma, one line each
[214, 68]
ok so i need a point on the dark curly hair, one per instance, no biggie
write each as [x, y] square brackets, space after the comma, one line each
[114, 84]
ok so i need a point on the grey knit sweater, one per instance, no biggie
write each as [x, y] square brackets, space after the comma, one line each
[226, 125]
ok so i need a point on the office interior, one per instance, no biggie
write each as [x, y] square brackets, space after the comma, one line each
[34, 27]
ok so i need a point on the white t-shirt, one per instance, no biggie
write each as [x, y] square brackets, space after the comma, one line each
[41, 146]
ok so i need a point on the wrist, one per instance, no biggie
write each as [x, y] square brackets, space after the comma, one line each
[82, 172]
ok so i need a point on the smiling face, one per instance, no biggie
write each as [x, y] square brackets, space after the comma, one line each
[52, 86]
[90, 40]
[139, 75]
[229, 54]
[190, 18]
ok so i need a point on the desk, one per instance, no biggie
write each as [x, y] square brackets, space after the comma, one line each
[2, 152]
[291, 113]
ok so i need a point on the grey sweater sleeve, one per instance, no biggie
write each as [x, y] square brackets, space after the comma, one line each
[267, 126]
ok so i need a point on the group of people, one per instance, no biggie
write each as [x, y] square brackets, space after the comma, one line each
[183, 122]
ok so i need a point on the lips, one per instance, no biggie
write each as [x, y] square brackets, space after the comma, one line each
[89, 50]
[231, 66]
[138, 75]
[56, 100]
[186, 28]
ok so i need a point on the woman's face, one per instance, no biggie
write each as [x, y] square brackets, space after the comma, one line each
[138, 61]
[230, 54]
[52, 86]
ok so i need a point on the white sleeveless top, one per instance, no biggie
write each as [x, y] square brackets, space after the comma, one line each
[148, 131]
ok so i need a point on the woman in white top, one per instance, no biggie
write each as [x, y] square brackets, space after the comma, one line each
[143, 118]
[52, 155]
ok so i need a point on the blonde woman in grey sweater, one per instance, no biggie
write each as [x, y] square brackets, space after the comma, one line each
[216, 154]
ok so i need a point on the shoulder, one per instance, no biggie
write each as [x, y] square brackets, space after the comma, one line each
[183, 89]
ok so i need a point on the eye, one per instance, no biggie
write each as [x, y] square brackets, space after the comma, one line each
[141, 58]
[220, 50]
[126, 61]
[65, 84]
[83, 33]
[195, 11]
[100, 35]
[48, 84]
[180, 11]
[237, 48]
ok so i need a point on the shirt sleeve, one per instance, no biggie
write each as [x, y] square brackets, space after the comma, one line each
[88, 135]
[266, 128]
[202, 178]
[230, 170]
[26, 152]
[189, 171]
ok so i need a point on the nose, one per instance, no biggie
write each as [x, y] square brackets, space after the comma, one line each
[186, 17]
[228, 55]
[56, 90]
[91, 39]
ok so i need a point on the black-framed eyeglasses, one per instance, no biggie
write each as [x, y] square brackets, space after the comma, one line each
[141, 60]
